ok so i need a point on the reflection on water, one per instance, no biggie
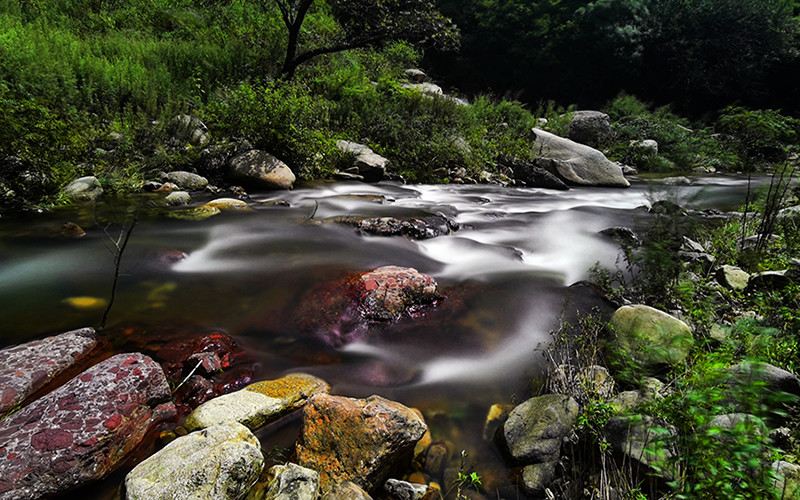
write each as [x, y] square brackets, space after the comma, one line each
[505, 273]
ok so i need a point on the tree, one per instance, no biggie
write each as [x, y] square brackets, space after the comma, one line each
[367, 23]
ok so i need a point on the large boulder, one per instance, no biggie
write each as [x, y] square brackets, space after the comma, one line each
[589, 127]
[220, 462]
[261, 170]
[534, 430]
[576, 163]
[83, 189]
[370, 165]
[28, 367]
[83, 430]
[258, 403]
[649, 337]
[358, 440]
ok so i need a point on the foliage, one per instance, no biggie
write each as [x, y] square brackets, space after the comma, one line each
[762, 135]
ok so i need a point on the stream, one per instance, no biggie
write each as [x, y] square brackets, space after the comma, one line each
[505, 274]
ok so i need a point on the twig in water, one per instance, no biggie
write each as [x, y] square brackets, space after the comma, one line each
[199, 362]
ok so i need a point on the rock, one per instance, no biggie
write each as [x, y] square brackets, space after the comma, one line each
[258, 403]
[690, 245]
[436, 459]
[537, 477]
[83, 430]
[495, 419]
[176, 198]
[85, 303]
[789, 213]
[534, 429]
[576, 163]
[198, 213]
[732, 278]
[425, 88]
[533, 175]
[416, 75]
[647, 147]
[704, 260]
[26, 368]
[595, 380]
[292, 482]
[636, 436]
[166, 187]
[261, 170]
[589, 127]
[674, 181]
[628, 170]
[769, 280]
[370, 165]
[190, 130]
[417, 228]
[402, 490]
[666, 207]
[71, 230]
[187, 180]
[625, 236]
[774, 379]
[787, 484]
[83, 189]
[229, 204]
[729, 423]
[347, 490]
[719, 332]
[626, 401]
[355, 440]
[220, 462]
[342, 311]
[651, 338]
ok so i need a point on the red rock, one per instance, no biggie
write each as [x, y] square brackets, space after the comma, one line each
[26, 368]
[83, 430]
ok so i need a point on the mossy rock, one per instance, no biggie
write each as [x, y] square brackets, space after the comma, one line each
[650, 338]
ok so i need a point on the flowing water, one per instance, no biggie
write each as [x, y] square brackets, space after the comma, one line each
[505, 274]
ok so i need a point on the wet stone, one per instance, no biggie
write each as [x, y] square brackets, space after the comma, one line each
[26, 368]
[83, 430]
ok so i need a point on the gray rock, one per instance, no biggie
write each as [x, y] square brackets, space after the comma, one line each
[292, 482]
[416, 75]
[651, 338]
[534, 429]
[368, 163]
[595, 380]
[402, 490]
[261, 170]
[220, 462]
[789, 213]
[83, 189]
[774, 378]
[190, 130]
[626, 401]
[769, 280]
[589, 127]
[576, 163]
[537, 477]
[637, 438]
[787, 484]
[648, 147]
[690, 245]
[625, 236]
[732, 277]
[425, 88]
[534, 176]
[177, 198]
[28, 367]
[729, 423]
[674, 181]
[187, 180]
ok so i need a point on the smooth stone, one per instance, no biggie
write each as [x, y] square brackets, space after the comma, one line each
[228, 204]
[732, 277]
[589, 127]
[534, 429]
[367, 162]
[220, 462]
[261, 170]
[537, 477]
[177, 198]
[84, 189]
[347, 490]
[292, 482]
[187, 180]
[28, 367]
[576, 163]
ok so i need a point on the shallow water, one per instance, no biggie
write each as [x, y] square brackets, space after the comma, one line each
[505, 274]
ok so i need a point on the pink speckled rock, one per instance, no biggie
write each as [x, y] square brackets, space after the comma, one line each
[81, 431]
[27, 367]
[343, 311]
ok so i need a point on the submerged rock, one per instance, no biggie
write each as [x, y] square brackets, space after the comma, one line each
[341, 312]
[220, 462]
[576, 163]
[358, 440]
[26, 368]
[418, 228]
[83, 430]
